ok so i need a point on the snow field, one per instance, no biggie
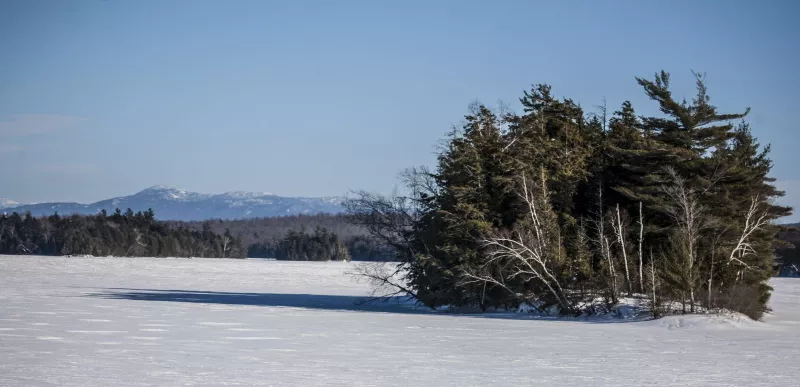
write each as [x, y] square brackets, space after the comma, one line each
[207, 322]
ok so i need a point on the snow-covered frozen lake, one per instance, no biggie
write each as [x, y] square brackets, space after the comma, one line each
[204, 322]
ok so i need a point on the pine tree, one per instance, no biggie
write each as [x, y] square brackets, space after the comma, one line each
[745, 189]
[698, 185]
[692, 139]
[552, 142]
[475, 192]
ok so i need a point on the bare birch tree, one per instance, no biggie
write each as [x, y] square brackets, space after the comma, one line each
[226, 245]
[528, 253]
[612, 272]
[641, 239]
[654, 300]
[619, 232]
[688, 215]
[603, 243]
[755, 220]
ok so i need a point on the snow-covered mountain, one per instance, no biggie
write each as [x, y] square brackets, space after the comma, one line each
[7, 203]
[177, 204]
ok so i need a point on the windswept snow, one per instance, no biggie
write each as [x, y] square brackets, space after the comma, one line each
[166, 322]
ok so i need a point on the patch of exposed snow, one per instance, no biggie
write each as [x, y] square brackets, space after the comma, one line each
[7, 203]
[711, 321]
[159, 321]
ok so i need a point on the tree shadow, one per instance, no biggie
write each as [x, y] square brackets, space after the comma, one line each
[286, 300]
[397, 305]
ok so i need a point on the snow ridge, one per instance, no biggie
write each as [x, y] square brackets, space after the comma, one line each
[170, 203]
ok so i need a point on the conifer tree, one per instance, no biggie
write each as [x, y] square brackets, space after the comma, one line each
[551, 140]
[698, 185]
[474, 196]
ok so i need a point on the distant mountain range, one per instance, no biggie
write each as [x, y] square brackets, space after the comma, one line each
[6, 203]
[177, 204]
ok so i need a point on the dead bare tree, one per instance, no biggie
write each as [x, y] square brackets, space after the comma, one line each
[755, 220]
[226, 245]
[688, 215]
[641, 239]
[612, 271]
[137, 245]
[387, 281]
[391, 220]
[619, 232]
[528, 253]
[602, 242]
[655, 309]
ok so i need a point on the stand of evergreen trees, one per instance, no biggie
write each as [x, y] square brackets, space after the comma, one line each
[255, 230]
[119, 234]
[141, 235]
[319, 245]
[789, 253]
[264, 237]
[557, 207]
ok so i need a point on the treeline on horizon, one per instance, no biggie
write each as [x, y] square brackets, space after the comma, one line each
[320, 237]
[298, 237]
[789, 252]
[294, 237]
[123, 234]
[557, 207]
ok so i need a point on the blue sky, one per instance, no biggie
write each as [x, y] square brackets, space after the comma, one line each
[102, 98]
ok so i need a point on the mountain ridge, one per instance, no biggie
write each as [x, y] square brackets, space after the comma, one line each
[6, 203]
[170, 203]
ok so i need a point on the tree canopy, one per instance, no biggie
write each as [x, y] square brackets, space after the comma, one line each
[557, 206]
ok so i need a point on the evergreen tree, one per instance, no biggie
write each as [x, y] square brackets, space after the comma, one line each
[551, 143]
[744, 186]
[698, 183]
[474, 178]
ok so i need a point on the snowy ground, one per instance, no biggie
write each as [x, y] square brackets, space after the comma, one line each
[170, 322]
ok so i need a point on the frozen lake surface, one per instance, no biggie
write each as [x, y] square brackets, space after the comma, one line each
[205, 322]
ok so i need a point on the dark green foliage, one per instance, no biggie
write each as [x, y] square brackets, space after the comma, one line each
[699, 181]
[262, 235]
[120, 234]
[788, 251]
[320, 245]
[553, 139]
[474, 198]
[478, 193]
[722, 167]
[365, 248]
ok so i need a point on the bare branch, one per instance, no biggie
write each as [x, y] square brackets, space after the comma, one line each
[525, 253]
[754, 220]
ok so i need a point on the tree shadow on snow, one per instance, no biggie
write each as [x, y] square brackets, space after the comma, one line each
[399, 305]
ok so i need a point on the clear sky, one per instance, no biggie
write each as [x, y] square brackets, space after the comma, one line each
[102, 98]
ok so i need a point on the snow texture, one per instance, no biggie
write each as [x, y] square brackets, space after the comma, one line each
[206, 322]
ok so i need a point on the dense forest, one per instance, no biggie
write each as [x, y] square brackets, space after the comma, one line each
[331, 237]
[271, 237]
[556, 207]
[789, 254]
[119, 234]
[319, 245]
[254, 230]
